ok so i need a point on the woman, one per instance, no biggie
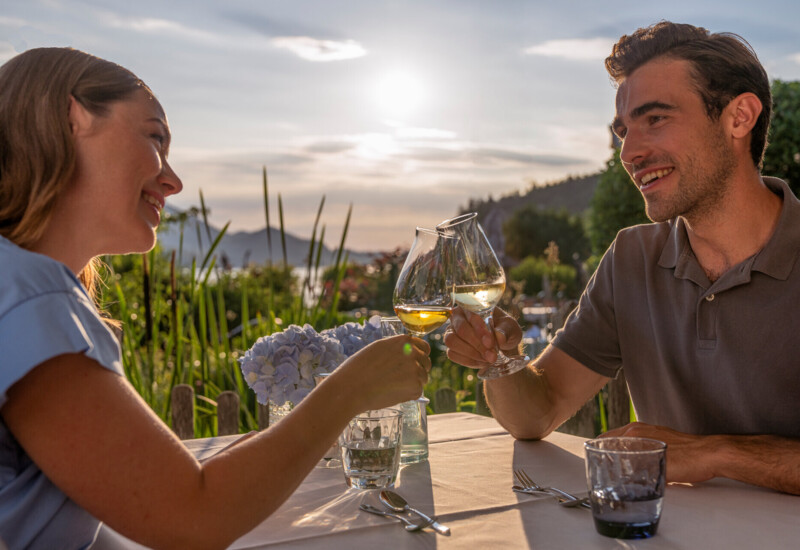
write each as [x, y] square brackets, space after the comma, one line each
[84, 172]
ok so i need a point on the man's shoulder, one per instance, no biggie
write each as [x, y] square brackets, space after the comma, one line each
[26, 275]
[648, 235]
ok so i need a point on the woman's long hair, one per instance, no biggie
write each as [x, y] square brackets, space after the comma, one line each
[37, 153]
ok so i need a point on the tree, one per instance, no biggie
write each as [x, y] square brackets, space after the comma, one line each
[782, 158]
[616, 204]
[532, 271]
[529, 231]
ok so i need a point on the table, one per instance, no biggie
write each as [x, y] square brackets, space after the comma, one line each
[466, 483]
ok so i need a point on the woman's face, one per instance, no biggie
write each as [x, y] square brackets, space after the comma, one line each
[121, 176]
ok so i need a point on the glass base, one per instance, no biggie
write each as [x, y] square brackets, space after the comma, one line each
[330, 463]
[633, 530]
[411, 454]
[509, 365]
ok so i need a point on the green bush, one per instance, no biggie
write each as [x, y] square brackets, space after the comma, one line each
[532, 271]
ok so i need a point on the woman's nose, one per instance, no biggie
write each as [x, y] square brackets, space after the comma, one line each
[169, 180]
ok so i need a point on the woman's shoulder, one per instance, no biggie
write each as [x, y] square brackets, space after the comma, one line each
[26, 275]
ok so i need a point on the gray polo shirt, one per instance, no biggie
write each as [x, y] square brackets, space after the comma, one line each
[699, 357]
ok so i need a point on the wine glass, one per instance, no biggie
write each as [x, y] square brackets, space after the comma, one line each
[479, 283]
[423, 294]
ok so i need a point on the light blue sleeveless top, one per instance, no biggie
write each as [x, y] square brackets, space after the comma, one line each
[44, 312]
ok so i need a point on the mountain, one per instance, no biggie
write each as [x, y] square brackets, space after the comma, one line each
[241, 248]
[238, 249]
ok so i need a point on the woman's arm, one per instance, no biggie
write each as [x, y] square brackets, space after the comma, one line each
[96, 439]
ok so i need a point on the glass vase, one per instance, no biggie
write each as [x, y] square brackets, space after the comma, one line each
[277, 412]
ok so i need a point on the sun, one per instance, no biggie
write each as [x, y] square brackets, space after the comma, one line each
[399, 94]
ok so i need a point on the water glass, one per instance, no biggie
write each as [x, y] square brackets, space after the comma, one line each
[626, 478]
[415, 412]
[370, 449]
[414, 446]
[332, 458]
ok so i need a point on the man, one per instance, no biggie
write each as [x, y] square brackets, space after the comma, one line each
[699, 308]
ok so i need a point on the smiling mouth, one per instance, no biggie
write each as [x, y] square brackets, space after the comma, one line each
[652, 177]
[152, 200]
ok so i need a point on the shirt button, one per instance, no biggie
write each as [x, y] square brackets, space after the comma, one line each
[710, 298]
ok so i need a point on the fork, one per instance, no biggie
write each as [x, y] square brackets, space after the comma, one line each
[527, 483]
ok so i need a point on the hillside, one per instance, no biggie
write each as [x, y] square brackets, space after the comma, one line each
[241, 248]
[573, 195]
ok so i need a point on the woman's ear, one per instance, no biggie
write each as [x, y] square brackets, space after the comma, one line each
[744, 110]
[80, 120]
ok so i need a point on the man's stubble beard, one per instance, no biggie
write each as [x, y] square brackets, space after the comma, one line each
[701, 188]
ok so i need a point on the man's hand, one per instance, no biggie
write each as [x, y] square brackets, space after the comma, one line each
[470, 342]
[688, 456]
[763, 460]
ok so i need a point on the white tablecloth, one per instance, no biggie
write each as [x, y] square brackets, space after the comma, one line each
[466, 483]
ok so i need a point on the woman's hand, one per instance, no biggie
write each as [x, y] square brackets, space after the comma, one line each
[470, 343]
[387, 372]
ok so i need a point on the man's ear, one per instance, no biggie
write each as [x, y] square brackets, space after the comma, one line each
[80, 120]
[744, 110]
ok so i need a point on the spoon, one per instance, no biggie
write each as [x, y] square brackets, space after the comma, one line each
[399, 504]
[409, 525]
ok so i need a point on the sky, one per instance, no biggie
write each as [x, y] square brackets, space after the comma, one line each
[403, 109]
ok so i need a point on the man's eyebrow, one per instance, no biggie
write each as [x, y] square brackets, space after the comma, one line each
[617, 124]
[645, 108]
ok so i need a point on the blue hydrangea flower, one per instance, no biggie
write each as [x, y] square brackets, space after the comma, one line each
[280, 367]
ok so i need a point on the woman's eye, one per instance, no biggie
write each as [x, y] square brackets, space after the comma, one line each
[158, 137]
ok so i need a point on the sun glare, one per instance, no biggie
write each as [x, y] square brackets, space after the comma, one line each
[398, 94]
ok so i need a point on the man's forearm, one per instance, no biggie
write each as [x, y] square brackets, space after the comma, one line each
[519, 402]
[764, 460]
[535, 401]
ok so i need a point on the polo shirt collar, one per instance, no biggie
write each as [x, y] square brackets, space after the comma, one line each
[776, 259]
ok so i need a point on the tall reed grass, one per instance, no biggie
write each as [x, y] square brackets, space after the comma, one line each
[175, 322]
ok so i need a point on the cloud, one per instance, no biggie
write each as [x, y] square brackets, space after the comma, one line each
[576, 48]
[11, 21]
[17, 36]
[314, 49]
[424, 133]
[270, 27]
[6, 52]
[154, 25]
[330, 146]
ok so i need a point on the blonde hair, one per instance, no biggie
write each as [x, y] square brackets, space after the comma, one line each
[37, 154]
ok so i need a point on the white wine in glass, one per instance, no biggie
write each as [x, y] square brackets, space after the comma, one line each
[422, 319]
[423, 294]
[479, 298]
[479, 283]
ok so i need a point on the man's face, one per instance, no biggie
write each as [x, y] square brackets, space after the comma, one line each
[679, 159]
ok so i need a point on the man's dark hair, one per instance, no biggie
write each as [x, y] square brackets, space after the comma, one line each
[723, 65]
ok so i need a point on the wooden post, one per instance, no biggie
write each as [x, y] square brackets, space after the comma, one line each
[618, 406]
[444, 400]
[583, 423]
[183, 411]
[228, 413]
[481, 406]
[263, 416]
